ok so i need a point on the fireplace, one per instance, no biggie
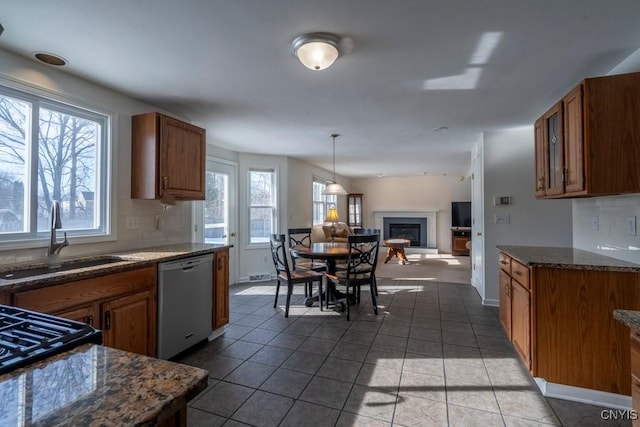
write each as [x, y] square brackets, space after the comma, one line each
[427, 220]
[413, 229]
[405, 231]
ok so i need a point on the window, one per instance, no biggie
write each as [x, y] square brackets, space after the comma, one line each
[51, 151]
[262, 205]
[321, 202]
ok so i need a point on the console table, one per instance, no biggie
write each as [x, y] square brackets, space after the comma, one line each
[460, 238]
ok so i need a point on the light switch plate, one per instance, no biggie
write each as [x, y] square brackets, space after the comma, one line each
[631, 225]
[502, 219]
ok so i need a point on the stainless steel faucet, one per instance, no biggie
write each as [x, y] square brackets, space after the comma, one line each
[54, 246]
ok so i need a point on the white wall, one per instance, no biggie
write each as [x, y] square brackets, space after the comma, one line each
[509, 171]
[175, 222]
[414, 193]
[611, 237]
[300, 184]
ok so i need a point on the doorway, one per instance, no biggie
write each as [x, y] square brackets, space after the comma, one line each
[216, 217]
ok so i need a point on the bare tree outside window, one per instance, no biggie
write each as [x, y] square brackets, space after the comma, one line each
[67, 169]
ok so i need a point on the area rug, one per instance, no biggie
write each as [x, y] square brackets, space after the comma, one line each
[435, 267]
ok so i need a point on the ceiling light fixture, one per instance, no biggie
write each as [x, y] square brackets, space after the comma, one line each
[334, 188]
[316, 51]
[50, 59]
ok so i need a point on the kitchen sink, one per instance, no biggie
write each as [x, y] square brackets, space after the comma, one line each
[67, 266]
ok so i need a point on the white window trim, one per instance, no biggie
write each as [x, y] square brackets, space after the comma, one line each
[110, 153]
[320, 180]
[274, 170]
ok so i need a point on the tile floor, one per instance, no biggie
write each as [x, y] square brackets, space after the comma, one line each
[434, 356]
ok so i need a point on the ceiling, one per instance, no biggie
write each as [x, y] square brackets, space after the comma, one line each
[409, 67]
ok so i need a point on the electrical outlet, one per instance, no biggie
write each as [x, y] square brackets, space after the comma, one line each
[631, 225]
[501, 219]
[132, 223]
[595, 223]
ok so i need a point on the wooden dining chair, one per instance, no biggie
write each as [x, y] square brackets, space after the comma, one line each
[361, 231]
[302, 237]
[361, 268]
[291, 276]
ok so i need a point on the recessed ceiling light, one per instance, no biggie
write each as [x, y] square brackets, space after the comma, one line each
[440, 129]
[50, 59]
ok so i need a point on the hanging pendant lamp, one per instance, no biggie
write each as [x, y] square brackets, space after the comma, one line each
[334, 188]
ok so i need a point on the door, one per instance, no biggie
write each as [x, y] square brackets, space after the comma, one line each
[215, 219]
[573, 152]
[129, 323]
[553, 131]
[477, 221]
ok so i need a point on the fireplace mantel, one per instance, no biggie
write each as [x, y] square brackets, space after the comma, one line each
[430, 215]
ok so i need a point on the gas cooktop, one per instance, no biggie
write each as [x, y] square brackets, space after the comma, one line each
[27, 336]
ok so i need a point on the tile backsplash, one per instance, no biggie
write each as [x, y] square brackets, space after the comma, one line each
[155, 226]
[604, 225]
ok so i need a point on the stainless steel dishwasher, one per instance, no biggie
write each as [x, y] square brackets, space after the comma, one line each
[185, 290]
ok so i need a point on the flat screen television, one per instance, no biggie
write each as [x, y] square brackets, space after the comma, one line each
[461, 214]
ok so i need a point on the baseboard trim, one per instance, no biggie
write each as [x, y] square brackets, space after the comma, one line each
[491, 302]
[583, 395]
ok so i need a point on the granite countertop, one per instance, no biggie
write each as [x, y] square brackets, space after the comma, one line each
[568, 258]
[118, 261]
[96, 385]
[631, 318]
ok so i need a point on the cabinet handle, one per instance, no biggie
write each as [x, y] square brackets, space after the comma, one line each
[90, 320]
[541, 183]
[565, 174]
[165, 182]
[518, 273]
[107, 320]
[508, 290]
[503, 262]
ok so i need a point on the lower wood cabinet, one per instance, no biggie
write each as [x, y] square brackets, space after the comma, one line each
[123, 305]
[129, 322]
[515, 306]
[560, 321]
[221, 288]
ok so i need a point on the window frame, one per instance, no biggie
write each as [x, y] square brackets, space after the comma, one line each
[328, 200]
[273, 206]
[41, 98]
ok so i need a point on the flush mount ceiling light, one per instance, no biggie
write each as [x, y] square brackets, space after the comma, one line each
[50, 59]
[316, 51]
[334, 187]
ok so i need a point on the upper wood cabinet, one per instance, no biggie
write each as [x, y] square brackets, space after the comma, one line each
[167, 158]
[588, 144]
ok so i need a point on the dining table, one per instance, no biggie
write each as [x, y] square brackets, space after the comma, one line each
[330, 252]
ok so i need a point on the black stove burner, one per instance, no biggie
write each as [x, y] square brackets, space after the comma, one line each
[27, 336]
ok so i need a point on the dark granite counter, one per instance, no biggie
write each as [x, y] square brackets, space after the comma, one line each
[96, 385]
[119, 261]
[630, 318]
[568, 258]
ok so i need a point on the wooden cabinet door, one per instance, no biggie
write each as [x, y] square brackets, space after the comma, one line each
[540, 157]
[182, 159]
[129, 323]
[521, 322]
[86, 314]
[221, 288]
[554, 150]
[505, 302]
[573, 141]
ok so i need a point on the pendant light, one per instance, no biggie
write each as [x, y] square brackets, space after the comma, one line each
[334, 188]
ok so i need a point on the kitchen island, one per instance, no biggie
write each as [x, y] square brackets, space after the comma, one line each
[556, 306]
[96, 385]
